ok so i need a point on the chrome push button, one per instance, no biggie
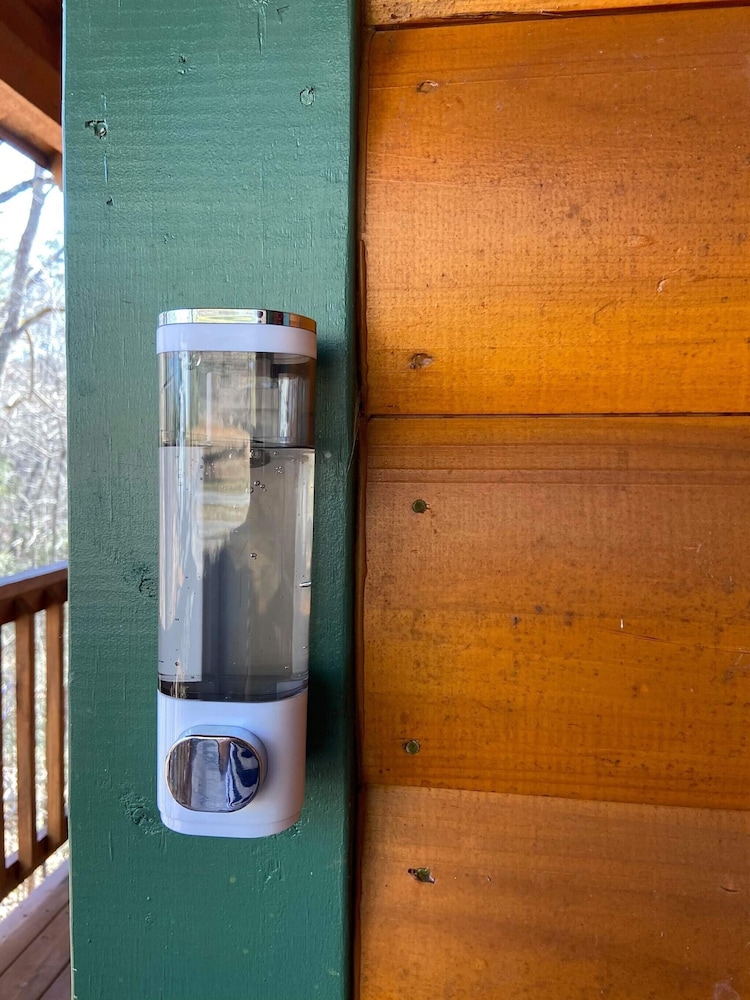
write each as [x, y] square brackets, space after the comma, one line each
[216, 772]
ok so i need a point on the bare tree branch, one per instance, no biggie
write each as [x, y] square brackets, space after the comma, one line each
[19, 399]
[42, 271]
[10, 331]
[32, 391]
[34, 319]
[17, 189]
[32, 383]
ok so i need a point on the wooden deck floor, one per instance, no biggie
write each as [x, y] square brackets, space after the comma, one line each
[35, 944]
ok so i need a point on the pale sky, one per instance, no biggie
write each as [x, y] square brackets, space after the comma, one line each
[15, 167]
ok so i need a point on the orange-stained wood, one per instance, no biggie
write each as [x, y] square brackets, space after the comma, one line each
[557, 216]
[57, 826]
[30, 79]
[571, 613]
[22, 597]
[30, 52]
[547, 899]
[25, 744]
[28, 128]
[398, 13]
[38, 31]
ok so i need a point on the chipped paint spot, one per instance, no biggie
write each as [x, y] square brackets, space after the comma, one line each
[140, 812]
[428, 86]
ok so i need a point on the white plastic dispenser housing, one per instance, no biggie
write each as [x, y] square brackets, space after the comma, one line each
[235, 545]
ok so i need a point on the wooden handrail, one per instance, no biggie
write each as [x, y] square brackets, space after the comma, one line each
[32, 591]
[22, 597]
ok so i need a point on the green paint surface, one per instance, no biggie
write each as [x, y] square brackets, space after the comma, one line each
[224, 178]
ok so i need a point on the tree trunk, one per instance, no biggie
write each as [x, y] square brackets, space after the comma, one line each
[13, 326]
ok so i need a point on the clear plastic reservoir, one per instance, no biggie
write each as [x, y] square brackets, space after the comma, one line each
[236, 480]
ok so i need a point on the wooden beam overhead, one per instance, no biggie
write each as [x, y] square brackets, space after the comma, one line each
[31, 82]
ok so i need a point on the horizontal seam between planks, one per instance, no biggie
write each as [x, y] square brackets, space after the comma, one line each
[509, 16]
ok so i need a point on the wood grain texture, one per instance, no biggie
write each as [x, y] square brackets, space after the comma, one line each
[25, 923]
[30, 58]
[221, 185]
[26, 744]
[37, 28]
[30, 78]
[34, 943]
[33, 591]
[570, 614]
[398, 13]
[551, 899]
[30, 130]
[39, 966]
[57, 823]
[60, 989]
[557, 216]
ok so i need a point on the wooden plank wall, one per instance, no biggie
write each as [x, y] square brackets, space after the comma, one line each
[555, 677]
[557, 210]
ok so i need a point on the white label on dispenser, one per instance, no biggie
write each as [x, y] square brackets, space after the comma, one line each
[181, 472]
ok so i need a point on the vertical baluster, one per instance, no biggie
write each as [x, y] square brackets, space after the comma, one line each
[25, 742]
[4, 886]
[56, 824]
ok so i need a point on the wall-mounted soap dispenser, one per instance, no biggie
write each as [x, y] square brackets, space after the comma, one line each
[236, 516]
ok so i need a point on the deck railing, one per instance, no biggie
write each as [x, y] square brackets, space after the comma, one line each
[23, 599]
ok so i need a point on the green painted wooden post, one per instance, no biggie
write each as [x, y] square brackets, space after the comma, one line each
[209, 162]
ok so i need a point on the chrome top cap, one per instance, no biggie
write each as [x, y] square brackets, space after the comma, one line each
[257, 317]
